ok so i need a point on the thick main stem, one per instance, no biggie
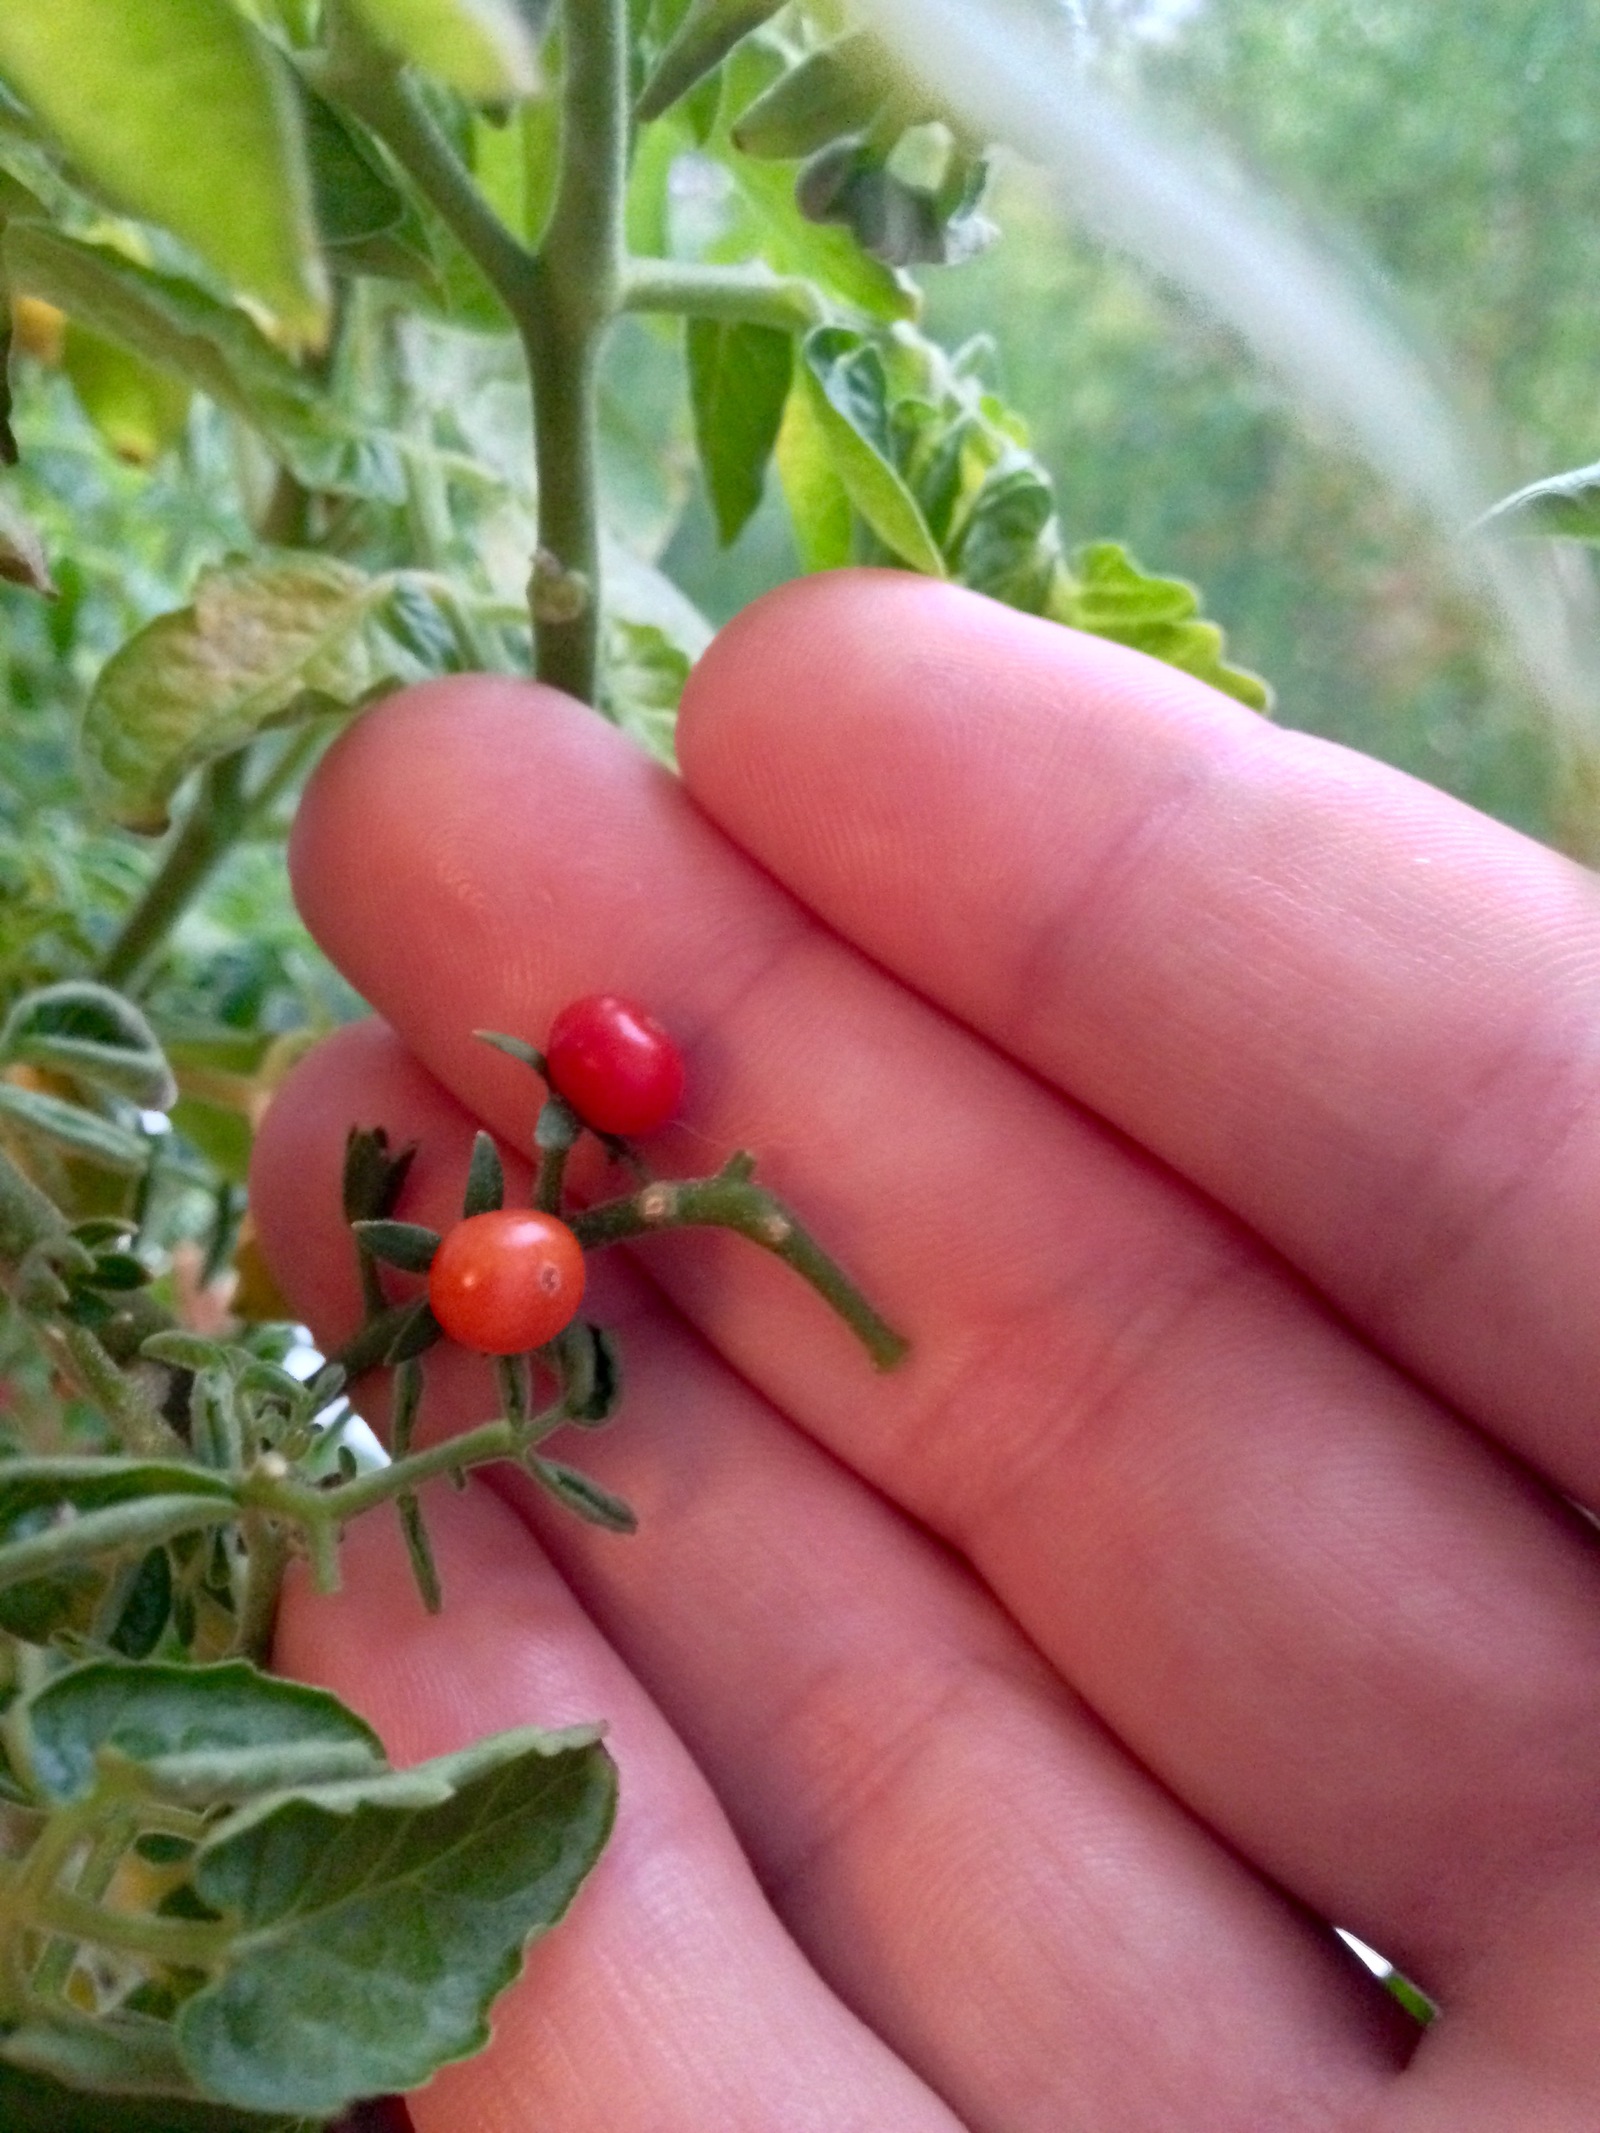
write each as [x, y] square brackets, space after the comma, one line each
[577, 291]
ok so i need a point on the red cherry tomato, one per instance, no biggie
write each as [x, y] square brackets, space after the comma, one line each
[505, 1281]
[615, 1065]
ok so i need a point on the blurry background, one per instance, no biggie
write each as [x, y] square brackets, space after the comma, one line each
[1449, 155]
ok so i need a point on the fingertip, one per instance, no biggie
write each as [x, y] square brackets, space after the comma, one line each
[803, 634]
[366, 790]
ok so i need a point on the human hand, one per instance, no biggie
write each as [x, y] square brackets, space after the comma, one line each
[1215, 1110]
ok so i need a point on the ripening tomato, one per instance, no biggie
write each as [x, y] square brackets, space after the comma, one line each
[615, 1065]
[507, 1280]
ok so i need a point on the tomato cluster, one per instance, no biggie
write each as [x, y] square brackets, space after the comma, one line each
[511, 1279]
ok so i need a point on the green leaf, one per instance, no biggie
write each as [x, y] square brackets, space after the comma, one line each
[484, 48]
[139, 411]
[372, 1176]
[738, 381]
[581, 1493]
[591, 1374]
[64, 1522]
[184, 1351]
[200, 1735]
[407, 1245]
[221, 1135]
[356, 197]
[53, 1490]
[486, 1184]
[514, 1048]
[34, 2103]
[183, 112]
[93, 1034]
[819, 503]
[838, 89]
[1007, 546]
[1112, 597]
[641, 684]
[369, 224]
[71, 1128]
[147, 1609]
[265, 642]
[698, 46]
[1564, 505]
[22, 557]
[844, 376]
[179, 327]
[816, 251]
[377, 1920]
[415, 1334]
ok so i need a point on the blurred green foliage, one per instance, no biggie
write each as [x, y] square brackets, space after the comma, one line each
[1456, 148]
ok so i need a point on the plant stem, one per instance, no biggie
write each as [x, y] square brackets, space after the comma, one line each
[374, 88]
[216, 817]
[730, 1201]
[143, 1432]
[371, 1342]
[108, 1840]
[266, 1558]
[322, 1510]
[577, 290]
[194, 1943]
[752, 295]
[561, 299]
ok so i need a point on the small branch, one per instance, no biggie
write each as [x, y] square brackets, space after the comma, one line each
[141, 1428]
[752, 296]
[371, 83]
[322, 1511]
[216, 817]
[193, 1943]
[730, 1201]
[108, 1840]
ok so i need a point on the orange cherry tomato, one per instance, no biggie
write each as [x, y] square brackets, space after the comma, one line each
[506, 1281]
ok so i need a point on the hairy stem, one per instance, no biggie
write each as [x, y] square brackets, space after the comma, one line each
[323, 1511]
[216, 817]
[741, 295]
[370, 82]
[266, 1559]
[578, 284]
[142, 1430]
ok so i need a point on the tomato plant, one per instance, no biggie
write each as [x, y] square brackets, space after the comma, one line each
[614, 1063]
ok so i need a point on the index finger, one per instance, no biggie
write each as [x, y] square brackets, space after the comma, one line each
[1357, 1013]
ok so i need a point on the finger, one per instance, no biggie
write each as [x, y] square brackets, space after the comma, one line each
[670, 1996]
[1349, 1008]
[1336, 1624]
[970, 1862]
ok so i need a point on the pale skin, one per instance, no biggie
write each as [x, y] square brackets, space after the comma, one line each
[1217, 1113]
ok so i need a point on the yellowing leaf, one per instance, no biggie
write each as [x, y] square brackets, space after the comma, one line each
[182, 112]
[264, 642]
[138, 410]
[484, 48]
